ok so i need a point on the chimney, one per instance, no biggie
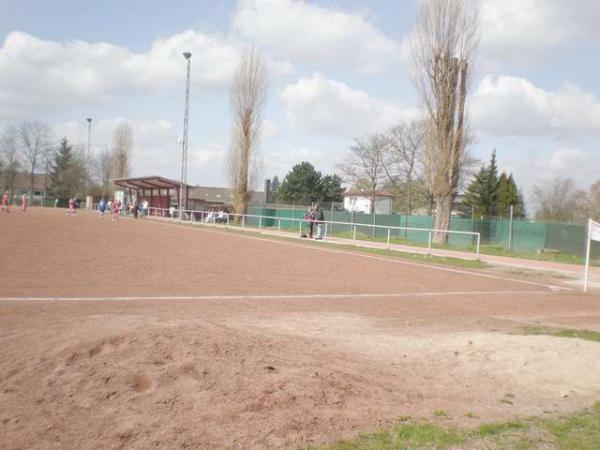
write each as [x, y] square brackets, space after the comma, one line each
[267, 191]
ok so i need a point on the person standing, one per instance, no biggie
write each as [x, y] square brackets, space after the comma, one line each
[309, 217]
[101, 207]
[5, 204]
[116, 208]
[71, 210]
[320, 220]
[24, 202]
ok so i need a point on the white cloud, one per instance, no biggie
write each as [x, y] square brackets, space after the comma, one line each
[316, 35]
[530, 31]
[316, 104]
[155, 148]
[534, 167]
[508, 105]
[281, 162]
[39, 74]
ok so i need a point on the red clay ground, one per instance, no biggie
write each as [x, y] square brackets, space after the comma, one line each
[282, 345]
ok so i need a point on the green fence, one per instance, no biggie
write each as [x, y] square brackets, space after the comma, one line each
[527, 236]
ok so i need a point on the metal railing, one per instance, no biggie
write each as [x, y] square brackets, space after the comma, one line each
[253, 222]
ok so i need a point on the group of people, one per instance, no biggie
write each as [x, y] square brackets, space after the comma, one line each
[314, 216]
[219, 216]
[113, 206]
[5, 206]
[134, 208]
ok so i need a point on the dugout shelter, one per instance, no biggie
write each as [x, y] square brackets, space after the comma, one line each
[157, 190]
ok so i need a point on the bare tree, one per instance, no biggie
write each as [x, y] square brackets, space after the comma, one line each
[103, 165]
[595, 200]
[122, 148]
[247, 97]
[401, 158]
[555, 199]
[10, 157]
[34, 137]
[363, 167]
[443, 42]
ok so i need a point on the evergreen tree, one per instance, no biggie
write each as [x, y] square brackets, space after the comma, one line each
[481, 196]
[489, 195]
[301, 184]
[508, 194]
[65, 175]
[305, 184]
[330, 188]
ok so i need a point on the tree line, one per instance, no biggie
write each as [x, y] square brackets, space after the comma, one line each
[70, 171]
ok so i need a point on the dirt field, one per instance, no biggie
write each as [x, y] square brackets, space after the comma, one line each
[161, 336]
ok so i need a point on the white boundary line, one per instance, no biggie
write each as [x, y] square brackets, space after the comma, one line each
[361, 255]
[279, 297]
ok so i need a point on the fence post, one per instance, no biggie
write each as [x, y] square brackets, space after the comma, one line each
[429, 244]
[243, 221]
[331, 218]
[478, 244]
[388, 238]
[300, 228]
[227, 224]
[279, 225]
[325, 235]
[260, 224]
[354, 235]
[510, 227]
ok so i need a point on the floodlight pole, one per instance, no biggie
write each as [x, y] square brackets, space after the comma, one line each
[89, 152]
[88, 161]
[184, 150]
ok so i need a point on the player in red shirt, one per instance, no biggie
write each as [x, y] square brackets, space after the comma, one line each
[71, 210]
[116, 209]
[5, 204]
[24, 203]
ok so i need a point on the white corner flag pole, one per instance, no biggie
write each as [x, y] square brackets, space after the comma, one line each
[588, 244]
[593, 234]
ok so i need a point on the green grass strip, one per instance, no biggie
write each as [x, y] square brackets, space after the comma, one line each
[580, 431]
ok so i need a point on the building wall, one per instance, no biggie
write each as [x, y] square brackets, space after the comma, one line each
[383, 205]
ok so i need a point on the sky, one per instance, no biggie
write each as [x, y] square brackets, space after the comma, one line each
[338, 70]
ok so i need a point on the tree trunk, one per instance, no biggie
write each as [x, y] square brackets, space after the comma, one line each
[31, 187]
[443, 207]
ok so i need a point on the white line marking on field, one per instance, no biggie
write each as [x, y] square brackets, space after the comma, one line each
[279, 297]
[361, 255]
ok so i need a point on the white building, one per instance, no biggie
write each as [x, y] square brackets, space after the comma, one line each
[360, 201]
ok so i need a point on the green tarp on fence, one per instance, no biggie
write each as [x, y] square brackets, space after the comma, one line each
[527, 236]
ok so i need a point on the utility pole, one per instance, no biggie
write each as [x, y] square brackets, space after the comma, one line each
[184, 150]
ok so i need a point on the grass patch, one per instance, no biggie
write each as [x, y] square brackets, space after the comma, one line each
[558, 257]
[586, 335]
[580, 431]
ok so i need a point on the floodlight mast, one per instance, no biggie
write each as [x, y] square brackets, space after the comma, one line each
[89, 152]
[184, 150]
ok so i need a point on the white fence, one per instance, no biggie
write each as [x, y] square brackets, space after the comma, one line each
[265, 224]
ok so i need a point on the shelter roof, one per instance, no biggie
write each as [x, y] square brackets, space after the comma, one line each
[151, 182]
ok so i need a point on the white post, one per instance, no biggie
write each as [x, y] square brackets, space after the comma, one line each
[510, 226]
[478, 245]
[279, 225]
[260, 224]
[243, 221]
[300, 228]
[429, 244]
[325, 235]
[587, 255]
[227, 224]
[354, 235]
[388, 238]
[331, 218]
